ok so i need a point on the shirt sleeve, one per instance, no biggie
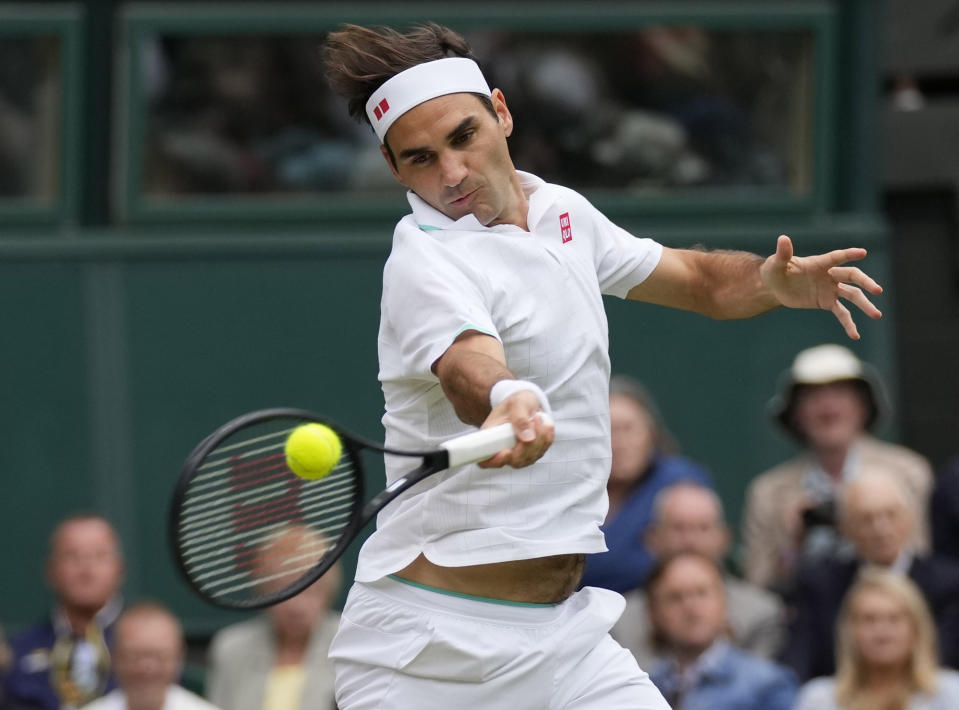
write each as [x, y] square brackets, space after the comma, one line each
[430, 296]
[622, 260]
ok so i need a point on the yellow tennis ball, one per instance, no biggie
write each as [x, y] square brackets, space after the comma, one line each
[312, 450]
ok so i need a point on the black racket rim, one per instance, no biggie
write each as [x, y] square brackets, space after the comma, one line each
[351, 443]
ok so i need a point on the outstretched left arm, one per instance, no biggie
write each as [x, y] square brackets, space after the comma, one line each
[727, 285]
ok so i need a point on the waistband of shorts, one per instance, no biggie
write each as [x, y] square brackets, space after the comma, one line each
[492, 610]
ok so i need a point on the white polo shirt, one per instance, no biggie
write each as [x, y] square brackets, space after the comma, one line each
[540, 293]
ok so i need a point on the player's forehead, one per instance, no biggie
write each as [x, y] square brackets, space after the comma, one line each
[434, 119]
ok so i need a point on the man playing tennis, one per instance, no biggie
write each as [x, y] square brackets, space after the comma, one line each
[492, 311]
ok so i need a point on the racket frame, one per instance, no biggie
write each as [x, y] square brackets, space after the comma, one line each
[432, 462]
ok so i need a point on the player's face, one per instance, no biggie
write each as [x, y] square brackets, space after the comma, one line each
[831, 415]
[85, 569]
[452, 153]
[687, 604]
[631, 432]
[882, 629]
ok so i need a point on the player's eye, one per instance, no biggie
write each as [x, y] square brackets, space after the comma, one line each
[420, 159]
[463, 137]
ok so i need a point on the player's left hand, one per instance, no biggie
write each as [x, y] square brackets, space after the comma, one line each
[820, 281]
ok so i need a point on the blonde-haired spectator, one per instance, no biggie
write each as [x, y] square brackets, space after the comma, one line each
[886, 653]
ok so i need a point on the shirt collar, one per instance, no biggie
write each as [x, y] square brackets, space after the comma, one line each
[709, 665]
[103, 618]
[430, 219]
[900, 565]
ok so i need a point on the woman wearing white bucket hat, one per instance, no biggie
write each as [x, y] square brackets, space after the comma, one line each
[830, 401]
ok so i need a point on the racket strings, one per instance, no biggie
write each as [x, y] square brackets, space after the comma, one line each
[249, 527]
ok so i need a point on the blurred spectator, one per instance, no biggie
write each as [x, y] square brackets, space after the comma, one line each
[828, 401]
[244, 114]
[278, 661]
[64, 662]
[687, 606]
[887, 653]
[876, 514]
[944, 511]
[688, 517]
[644, 462]
[148, 658]
[6, 658]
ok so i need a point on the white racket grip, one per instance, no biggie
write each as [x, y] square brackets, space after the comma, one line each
[482, 444]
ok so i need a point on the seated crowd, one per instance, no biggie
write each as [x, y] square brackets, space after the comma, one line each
[849, 597]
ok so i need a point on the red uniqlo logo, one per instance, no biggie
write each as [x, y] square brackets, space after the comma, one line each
[381, 108]
[565, 228]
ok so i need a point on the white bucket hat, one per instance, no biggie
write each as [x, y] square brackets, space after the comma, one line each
[821, 365]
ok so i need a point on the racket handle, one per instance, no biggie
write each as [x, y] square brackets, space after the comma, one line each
[482, 444]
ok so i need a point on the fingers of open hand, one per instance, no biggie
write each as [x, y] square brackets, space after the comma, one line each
[856, 276]
[859, 299]
[845, 319]
[841, 256]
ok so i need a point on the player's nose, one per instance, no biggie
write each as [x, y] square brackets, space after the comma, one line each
[452, 169]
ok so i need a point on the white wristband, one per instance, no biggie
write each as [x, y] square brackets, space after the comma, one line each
[507, 388]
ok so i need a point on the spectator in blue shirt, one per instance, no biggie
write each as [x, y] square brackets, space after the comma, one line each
[645, 461]
[64, 662]
[702, 670]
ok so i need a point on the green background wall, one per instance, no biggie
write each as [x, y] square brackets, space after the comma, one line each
[123, 345]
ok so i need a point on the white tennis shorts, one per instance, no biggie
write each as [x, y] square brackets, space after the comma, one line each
[401, 647]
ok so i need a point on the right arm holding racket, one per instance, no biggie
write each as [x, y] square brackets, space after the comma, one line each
[237, 504]
[468, 372]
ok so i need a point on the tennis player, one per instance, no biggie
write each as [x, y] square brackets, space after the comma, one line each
[492, 311]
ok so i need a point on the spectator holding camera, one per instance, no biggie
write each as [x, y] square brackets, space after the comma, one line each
[829, 401]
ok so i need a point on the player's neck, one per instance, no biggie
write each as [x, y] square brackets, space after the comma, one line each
[517, 209]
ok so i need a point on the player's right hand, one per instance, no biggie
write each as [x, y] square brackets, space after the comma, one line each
[534, 430]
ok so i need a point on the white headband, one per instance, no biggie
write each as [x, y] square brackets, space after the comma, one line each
[413, 86]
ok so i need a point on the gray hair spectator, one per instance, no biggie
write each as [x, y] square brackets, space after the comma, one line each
[688, 517]
[877, 516]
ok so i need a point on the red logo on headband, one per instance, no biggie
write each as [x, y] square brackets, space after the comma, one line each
[565, 228]
[381, 109]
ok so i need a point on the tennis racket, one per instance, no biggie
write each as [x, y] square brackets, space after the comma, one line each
[247, 532]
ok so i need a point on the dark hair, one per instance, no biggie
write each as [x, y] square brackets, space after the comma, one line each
[360, 59]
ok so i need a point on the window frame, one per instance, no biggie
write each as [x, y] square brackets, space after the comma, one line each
[143, 19]
[64, 21]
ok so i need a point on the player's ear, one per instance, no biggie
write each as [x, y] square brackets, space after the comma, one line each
[502, 111]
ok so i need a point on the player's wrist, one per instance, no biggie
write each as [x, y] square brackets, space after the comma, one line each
[505, 389]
